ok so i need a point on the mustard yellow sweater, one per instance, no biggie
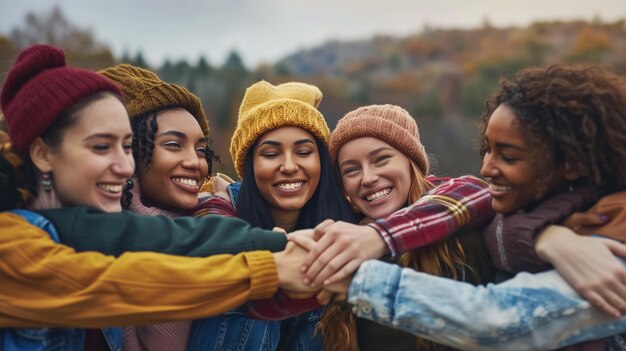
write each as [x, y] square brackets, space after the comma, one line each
[47, 284]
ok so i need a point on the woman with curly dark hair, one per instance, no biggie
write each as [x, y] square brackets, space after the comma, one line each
[546, 131]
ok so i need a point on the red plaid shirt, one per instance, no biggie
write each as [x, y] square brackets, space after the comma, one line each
[451, 205]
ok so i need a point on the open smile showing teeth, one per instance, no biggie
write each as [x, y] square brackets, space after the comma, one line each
[499, 188]
[290, 186]
[378, 195]
[111, 188]
[186, 181]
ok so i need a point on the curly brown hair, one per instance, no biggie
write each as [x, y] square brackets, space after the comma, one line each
[574, 116]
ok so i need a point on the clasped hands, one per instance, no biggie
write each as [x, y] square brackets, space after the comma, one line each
[322, 260]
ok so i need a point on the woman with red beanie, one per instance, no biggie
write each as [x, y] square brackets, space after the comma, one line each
[72, 131]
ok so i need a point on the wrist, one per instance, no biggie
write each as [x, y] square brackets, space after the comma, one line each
[377, 243]
[548, 242]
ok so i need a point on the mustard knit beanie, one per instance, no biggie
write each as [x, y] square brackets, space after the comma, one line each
[266, 107]
[145, 93]
[389, 123]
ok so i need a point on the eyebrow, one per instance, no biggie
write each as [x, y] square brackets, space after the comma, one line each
[369, 154]
[510, 146]
[297, 142]
[106, 136]
[174, 133]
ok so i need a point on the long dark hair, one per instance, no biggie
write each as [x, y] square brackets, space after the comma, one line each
[326, 202]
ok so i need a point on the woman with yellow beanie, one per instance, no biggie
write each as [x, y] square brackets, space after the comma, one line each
[71, 128]
[279, 149]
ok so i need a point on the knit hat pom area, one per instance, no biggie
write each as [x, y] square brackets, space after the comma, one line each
[389, 123]
[39, 87]
[266, 107]
[28, 64]
[146, 93]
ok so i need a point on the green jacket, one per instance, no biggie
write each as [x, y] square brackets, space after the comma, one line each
[89, 229]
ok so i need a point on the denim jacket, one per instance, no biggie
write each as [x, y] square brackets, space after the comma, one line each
[529, 312]
[234, 331]
[42, 339]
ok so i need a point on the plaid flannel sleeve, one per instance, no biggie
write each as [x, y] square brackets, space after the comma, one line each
[451, 205]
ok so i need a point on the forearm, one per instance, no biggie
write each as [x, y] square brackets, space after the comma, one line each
[511, 239]
[528, 312]
[453, 204]
[87, 229]
[46, 284]
[280, 306]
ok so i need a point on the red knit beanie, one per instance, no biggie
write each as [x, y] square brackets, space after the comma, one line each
[39, 87]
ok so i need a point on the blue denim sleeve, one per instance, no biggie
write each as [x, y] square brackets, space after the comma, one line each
[528, 312]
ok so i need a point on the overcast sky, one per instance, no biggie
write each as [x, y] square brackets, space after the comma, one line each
[265, 30]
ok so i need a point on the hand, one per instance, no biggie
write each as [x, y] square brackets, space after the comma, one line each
[588, 265]
[287, 266]
[326, 296]
[220, 187]
[340, 249]
[578, 220]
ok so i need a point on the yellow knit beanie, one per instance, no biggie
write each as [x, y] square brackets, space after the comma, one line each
[389, 123]
[266, 107]
[145, 93]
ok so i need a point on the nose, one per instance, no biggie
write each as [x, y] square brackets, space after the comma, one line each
[370, 177]
[488, 169]
[192, 159]
[289, 165]
[124, 164]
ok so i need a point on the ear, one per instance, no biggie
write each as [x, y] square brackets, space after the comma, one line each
[40, 155]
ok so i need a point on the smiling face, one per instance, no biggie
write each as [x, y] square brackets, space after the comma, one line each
[94, 160]
[286, 169]
[178, 165]
[376, 177]
[511, 165]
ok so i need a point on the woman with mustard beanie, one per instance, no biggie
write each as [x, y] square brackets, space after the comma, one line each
[71, 129]
[170, 148]
[279, 149]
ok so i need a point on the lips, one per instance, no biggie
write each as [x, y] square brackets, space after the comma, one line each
[111, 187]
[186, 183]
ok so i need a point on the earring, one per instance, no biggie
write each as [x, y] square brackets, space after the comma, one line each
[46, 182]
[571, 186]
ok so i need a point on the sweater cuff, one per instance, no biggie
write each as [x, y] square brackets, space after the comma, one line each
[263, 275]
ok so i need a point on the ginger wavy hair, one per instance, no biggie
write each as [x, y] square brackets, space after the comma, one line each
[338, 324]
[573, 115]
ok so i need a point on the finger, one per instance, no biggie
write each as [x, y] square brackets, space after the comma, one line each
[328, 253]
[599, 302]
[279, 229]
[618, 249]
[338, 297]
[344, 272]
[317, 257]
[319, 231]
[616, 302]
[303, 241]
[334, 264]
[324, 297]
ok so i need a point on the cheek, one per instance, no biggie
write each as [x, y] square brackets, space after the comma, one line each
[350, 187]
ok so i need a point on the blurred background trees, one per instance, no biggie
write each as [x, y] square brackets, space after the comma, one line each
[441, 77]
